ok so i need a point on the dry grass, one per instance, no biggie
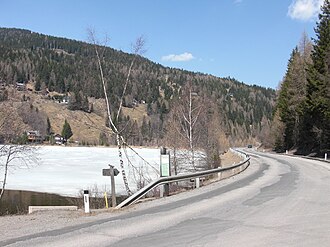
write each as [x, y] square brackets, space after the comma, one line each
[137, 113]
[86, 127]
[229, 158]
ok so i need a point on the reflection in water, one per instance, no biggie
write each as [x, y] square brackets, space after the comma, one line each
[18, 201]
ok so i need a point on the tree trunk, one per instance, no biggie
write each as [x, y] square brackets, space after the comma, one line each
[129, 192]
[5, 174]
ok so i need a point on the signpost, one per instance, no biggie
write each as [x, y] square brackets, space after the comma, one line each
[107, 172]
[112, 172]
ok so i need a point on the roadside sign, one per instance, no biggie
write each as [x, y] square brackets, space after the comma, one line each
[107, 172]
[165, 170]
[111, 172]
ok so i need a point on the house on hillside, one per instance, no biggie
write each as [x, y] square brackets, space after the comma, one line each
[59, 139]
[20, 86]
[61, 99]
[65, 100]
[34, 136]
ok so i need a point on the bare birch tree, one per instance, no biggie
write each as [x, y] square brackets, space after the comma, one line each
[187, 111]
[138, 49]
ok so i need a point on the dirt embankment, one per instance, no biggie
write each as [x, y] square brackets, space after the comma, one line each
[229, 158]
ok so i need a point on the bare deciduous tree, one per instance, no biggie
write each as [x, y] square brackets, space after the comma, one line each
[186, 113]
[194, 123]
[13, 156]
[214, 141]
[25, 156]
[172, 139]
[138, 49]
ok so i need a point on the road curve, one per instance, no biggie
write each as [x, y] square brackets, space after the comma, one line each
[277, 201]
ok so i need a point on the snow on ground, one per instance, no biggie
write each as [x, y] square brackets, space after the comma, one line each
[68, 170]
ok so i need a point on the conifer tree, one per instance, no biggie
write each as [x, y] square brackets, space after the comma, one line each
[49, 127]
[317, 105]
[66, 131]
[285, 106]
[292, 96]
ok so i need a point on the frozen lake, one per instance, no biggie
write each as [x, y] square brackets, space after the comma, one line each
[68, 170]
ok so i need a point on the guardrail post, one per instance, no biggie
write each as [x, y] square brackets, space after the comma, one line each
[164, 190]
[197, 182]
[161, 191]
[325, 156]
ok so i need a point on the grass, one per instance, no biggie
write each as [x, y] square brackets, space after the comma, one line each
[86, 127]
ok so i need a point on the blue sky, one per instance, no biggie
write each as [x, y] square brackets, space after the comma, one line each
[250, 40]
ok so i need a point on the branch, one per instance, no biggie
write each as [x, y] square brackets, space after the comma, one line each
[196, 118]
[137, 50]
[91, 34]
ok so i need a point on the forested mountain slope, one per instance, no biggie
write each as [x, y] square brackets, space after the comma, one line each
[69, 67]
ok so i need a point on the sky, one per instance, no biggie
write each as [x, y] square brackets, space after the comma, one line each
[249, 40]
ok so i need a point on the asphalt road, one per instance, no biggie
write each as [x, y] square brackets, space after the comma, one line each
[277, 201]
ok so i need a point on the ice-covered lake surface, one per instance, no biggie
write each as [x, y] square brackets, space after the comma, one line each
[68, 170]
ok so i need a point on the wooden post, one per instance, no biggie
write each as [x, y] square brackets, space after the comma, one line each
[113, 191]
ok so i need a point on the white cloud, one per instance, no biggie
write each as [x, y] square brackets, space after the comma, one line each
[184, 57]
[304, 9]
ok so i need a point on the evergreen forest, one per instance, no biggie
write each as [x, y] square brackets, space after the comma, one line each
[302, 116]
[70, 67]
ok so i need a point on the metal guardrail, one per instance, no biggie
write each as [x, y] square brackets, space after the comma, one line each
[312, 158]
[181, 177]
